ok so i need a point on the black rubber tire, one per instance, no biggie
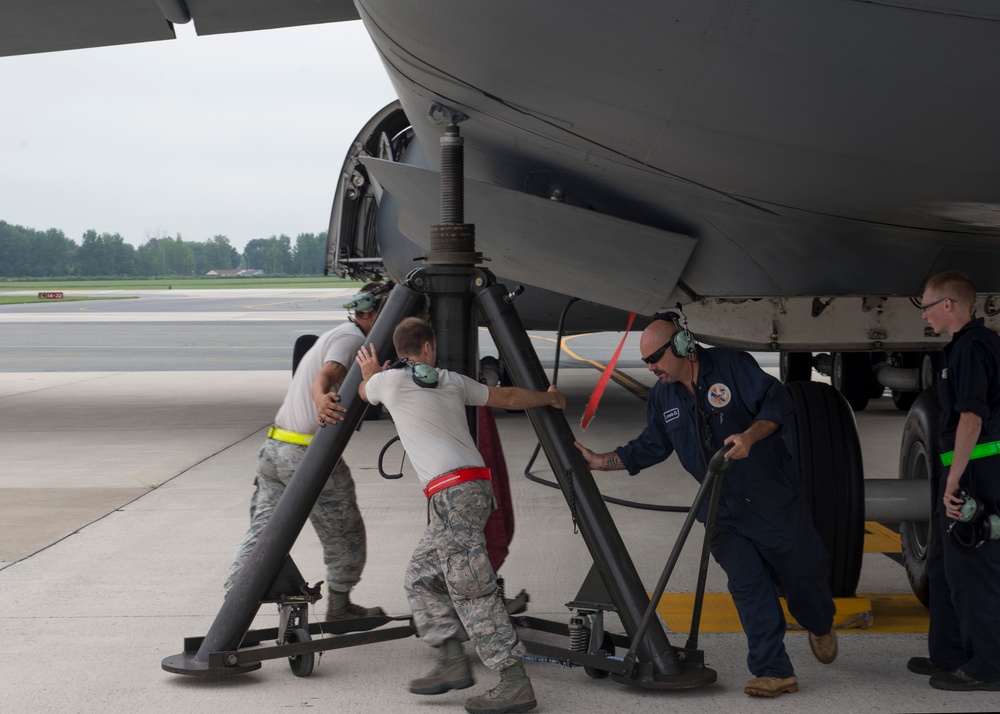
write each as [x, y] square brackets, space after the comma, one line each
[608, 650]
[918, 459]
[301, 665]
[852, 377]
[795, 366]
[931, 364]
[904, 400]
[823, 441]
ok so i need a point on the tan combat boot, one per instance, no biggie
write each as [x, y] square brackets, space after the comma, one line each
[451, 672]
[513, 694]
[340, 607]
[771, 686]
[824, 646]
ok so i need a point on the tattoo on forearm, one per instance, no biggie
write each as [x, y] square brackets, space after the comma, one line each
[611, 461]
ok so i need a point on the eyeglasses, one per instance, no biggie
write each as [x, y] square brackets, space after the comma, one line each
[928, 306]
[658, 355]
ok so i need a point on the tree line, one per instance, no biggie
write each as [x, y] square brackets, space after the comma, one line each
[29, 253]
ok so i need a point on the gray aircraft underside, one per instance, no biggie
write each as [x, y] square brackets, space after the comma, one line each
[790, 171]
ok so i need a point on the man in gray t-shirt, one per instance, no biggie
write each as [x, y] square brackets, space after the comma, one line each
[311, 399]
[450, 584]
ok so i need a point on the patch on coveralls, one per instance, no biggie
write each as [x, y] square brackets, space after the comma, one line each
[719, 395]
[671, 414]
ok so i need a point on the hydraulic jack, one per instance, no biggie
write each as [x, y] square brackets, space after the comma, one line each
[455, 288]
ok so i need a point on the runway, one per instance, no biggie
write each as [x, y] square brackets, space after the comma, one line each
[124, 492]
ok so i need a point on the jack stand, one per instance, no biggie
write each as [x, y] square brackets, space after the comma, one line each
[456, 286]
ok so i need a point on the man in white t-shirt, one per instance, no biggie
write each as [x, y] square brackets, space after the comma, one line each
[312, 399]
[450, 584]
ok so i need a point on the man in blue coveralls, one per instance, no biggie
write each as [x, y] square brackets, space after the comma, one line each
[963, 564]
[764, 534]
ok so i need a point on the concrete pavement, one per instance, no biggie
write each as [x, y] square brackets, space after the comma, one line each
[123, 496]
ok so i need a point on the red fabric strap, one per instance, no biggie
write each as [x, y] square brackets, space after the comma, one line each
[602, 383]
[453, 478]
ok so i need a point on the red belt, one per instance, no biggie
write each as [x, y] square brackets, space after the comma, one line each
[453, 478]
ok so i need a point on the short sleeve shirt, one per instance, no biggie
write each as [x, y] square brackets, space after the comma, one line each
[340, 345]
[431, 420]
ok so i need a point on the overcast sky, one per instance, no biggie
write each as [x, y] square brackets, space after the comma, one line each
[239, 135]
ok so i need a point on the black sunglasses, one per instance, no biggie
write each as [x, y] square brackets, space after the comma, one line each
[658, 355]
[928, 306]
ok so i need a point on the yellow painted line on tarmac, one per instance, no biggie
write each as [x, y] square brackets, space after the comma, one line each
[621, 378]
[893, 613]
[879, 539]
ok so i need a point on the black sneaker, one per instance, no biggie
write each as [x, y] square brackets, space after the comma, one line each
[959, 681]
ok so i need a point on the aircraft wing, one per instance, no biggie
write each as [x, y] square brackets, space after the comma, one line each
[33, 26]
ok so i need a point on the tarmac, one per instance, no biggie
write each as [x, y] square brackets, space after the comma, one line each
[123, 496]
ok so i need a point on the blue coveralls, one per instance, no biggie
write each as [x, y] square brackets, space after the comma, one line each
[764, 534]
[965, 582]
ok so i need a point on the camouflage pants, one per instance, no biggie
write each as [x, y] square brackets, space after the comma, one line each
[450, 583]
[335, 516]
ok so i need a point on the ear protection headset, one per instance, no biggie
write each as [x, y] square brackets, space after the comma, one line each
[974, 527]
[423, 374]
[683, 343]
[365, 302]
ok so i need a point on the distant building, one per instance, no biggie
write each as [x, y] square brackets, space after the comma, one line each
[234, 273]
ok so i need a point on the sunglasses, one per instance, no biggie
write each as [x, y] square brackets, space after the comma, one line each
[928, 306]
[658, 355]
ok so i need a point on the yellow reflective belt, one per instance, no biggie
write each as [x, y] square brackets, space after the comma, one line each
[991, 448]
[292, 437]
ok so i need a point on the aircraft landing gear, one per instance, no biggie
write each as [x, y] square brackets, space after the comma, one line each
[918, 461]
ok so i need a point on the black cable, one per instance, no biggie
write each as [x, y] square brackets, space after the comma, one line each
[551, 484]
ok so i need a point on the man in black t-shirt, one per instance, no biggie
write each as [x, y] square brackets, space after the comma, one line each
[964, 562]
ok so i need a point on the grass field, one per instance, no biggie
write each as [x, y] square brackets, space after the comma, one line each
[200, 283]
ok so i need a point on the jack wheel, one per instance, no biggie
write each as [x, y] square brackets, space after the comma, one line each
[608, 650]
[301, 665]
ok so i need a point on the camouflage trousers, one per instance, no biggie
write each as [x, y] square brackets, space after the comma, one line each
[335, 516]
[450, 584]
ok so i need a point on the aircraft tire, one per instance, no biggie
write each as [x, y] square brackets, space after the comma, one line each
[918, 460]
[795, 366]
[852, 378]
[903, 400]
[823, 440]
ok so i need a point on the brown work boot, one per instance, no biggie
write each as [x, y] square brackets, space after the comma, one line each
[451, 672]
[340, 607]
[513, 694]
[771, 686]
[824, 646]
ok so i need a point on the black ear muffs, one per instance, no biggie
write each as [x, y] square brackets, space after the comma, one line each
[423, 374]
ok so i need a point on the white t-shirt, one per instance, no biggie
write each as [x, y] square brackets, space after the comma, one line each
[431, 421]
[341, 345]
